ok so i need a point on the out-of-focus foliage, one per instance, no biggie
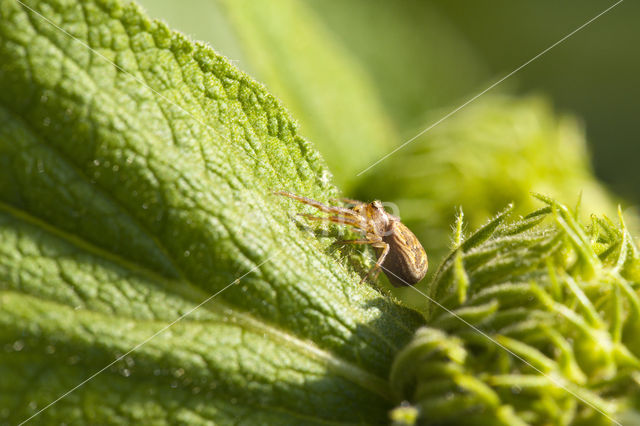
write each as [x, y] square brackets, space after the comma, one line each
[593, 73]
[469, 45]
[535, 324]
[417, 59]
[496, 150]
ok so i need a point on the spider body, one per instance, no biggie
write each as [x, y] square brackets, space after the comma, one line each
[400, 254]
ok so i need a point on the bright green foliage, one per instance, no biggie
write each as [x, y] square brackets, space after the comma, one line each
[496, 150]
[536, 322]
[135, 182]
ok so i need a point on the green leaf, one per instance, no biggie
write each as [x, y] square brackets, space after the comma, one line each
[547, 326]
[136, 176]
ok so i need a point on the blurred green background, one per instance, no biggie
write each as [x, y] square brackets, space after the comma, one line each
[421, 55]
[364, 76]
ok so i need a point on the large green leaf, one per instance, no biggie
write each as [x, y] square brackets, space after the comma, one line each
[135, 181]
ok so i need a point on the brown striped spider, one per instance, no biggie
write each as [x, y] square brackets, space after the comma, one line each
[400, 254]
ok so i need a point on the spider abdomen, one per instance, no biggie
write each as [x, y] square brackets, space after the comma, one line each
[406, 263]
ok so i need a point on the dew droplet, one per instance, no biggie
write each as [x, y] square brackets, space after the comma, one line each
[46, 121]
[187, 253]
[18, 345]
[125, 372]
[178, 372]
[145, 206]
[50, 349]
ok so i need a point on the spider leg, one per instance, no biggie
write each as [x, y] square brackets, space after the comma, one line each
[336, 219]
[356, 242]
[375, 275]
[376, 269]
[376, 242]
[347, 201]
[318, 205]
